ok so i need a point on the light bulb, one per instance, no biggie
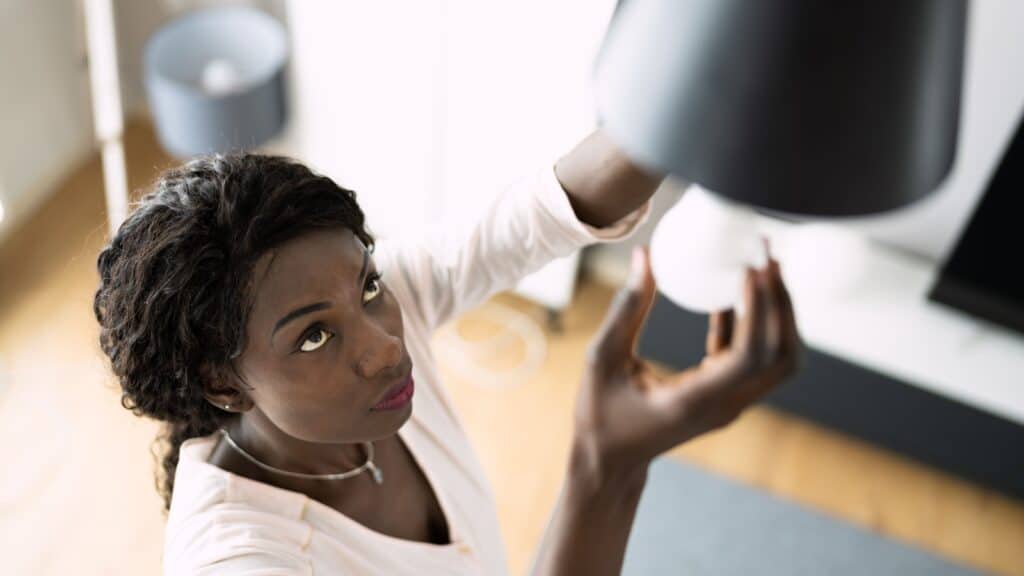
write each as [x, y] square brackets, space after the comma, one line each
[700, 250]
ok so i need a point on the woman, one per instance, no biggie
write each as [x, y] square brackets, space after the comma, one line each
[244, 304]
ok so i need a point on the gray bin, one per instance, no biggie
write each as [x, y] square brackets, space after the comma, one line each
[215, 80]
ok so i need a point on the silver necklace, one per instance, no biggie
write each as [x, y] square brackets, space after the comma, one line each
[378, 475]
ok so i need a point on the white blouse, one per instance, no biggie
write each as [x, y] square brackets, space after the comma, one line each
[222, 523]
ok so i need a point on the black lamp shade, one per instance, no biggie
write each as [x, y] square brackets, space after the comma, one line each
[812, 107]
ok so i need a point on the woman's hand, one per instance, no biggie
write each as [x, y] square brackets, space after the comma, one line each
[627, 413]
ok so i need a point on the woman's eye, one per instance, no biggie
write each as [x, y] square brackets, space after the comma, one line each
[373, 288]
[316, 339]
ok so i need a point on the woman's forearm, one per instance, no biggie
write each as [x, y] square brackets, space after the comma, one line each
[590, 525]
[602, 183]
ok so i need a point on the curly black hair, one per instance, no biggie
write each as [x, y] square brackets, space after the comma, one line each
[175, 287]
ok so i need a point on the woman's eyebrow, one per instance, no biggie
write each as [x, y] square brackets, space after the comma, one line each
[298, 312]
[310, 308]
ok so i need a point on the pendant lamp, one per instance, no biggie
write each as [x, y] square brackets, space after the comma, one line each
[806, 107]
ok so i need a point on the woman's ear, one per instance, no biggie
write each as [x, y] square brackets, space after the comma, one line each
[225, 390]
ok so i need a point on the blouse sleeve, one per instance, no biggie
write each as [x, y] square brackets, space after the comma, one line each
[457, 266]
[232, 540]
[254, 563]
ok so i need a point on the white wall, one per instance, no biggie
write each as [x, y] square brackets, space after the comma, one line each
[429, 115]
[44, 114]
[517, 88]
[364, 102]
[436, 110]
[993, 101]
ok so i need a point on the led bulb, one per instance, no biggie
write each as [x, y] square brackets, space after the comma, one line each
[700, 250]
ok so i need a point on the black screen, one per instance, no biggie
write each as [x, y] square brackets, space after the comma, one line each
[985, 273]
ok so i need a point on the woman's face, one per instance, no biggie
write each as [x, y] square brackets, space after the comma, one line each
[324, 341]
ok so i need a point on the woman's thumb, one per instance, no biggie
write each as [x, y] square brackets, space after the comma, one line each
[641, 283]
[626, 315]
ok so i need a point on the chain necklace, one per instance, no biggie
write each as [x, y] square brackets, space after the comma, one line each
[378, 475]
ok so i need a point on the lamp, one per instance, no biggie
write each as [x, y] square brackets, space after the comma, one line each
[801, 107]
[836, 108]
[214, 78]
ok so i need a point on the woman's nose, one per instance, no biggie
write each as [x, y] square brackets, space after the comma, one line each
[383, 352]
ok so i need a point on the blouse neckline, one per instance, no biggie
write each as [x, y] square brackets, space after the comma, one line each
[299, 506]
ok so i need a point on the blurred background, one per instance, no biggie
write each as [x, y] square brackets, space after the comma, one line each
[907, 428]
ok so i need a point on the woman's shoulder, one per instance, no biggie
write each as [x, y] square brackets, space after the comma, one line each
[222, 523]
[234, 540]
[214, 554]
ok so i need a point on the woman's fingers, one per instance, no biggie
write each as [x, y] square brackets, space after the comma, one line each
[774, 315]
[641, 281]
[754, 345]
[782, 343]
[749, 340]
[612, 348]
[720, 328]
[791, 346]
[763, 351]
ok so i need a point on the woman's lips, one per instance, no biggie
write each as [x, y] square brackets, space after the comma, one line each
[399, 397]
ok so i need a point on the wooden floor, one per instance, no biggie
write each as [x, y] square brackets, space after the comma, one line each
[77, 494]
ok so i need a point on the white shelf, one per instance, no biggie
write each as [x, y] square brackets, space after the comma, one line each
[884, 321]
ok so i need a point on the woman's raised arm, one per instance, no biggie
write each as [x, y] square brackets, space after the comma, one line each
[603, 184]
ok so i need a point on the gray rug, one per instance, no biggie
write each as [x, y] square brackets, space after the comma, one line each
[694, 522]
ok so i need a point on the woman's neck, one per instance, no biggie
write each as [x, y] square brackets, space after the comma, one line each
[254, 433]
